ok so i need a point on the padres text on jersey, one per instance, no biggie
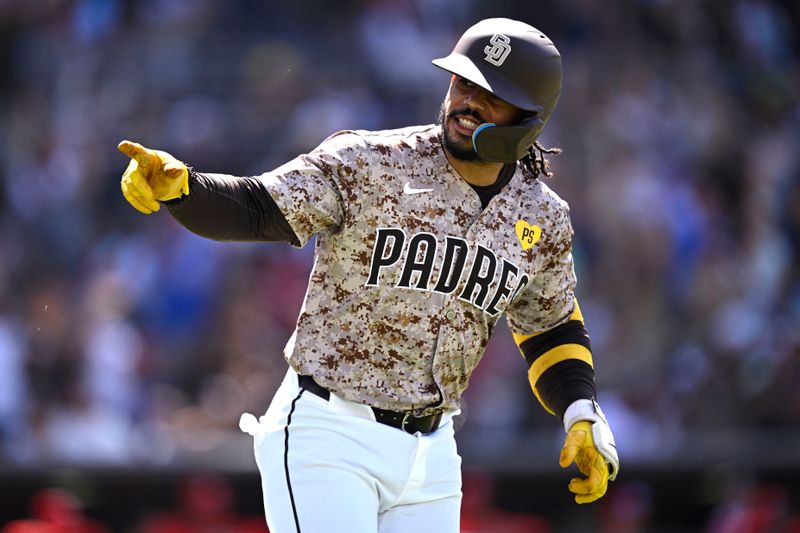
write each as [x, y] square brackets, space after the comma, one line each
[419, 258]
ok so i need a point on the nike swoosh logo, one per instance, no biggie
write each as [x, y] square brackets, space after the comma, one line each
[408, 189]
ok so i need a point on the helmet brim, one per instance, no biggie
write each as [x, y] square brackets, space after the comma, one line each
[463, 66]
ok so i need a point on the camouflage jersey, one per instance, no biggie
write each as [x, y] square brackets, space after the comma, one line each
[410, 274]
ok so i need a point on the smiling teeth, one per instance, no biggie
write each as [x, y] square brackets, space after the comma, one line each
[466, 123]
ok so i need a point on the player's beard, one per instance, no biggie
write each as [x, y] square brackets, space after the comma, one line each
[457, 145]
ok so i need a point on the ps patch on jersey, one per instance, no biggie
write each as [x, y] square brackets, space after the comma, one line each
[527, 234]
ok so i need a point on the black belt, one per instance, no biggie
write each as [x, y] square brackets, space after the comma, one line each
[396, 419]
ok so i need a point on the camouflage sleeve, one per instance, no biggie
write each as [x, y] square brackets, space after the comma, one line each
[548, 299]
[313, 191]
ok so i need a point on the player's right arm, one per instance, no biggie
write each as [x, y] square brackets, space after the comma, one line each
[292, 203]
[217, 207]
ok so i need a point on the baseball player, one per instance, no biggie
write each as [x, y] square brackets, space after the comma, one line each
[425, 236]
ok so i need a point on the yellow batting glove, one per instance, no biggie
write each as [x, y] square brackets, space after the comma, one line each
[152, 176]
[590, 445]
[579, 448]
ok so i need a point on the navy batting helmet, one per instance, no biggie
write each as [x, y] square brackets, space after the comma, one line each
[517, 63]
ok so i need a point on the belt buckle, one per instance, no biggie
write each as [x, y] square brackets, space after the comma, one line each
[405, 420]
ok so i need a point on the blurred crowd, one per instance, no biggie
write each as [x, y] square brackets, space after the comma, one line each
[126, 340]
[199, 503]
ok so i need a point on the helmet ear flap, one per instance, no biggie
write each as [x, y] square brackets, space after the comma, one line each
[506, 144]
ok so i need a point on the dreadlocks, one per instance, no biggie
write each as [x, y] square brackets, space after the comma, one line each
[536, 162]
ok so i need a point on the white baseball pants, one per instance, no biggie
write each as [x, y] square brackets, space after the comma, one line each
[329, 467]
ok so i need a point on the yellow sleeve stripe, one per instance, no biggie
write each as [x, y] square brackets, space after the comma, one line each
[550, 358]
[576, 315]
[519, 339]
[555, 356]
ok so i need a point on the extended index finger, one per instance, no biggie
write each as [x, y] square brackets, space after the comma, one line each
[131, 149]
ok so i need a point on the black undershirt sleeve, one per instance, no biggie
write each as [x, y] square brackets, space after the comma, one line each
[226, 208]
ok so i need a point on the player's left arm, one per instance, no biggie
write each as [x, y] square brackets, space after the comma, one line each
[561, 374]
[548, 327]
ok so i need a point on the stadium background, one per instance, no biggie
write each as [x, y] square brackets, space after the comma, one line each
[129, 347]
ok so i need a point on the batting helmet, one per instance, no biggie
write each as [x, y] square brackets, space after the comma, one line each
[517, 63]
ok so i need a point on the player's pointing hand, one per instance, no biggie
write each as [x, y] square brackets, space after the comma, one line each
[152, 176]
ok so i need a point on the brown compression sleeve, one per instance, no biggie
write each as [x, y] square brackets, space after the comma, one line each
[227, 208]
